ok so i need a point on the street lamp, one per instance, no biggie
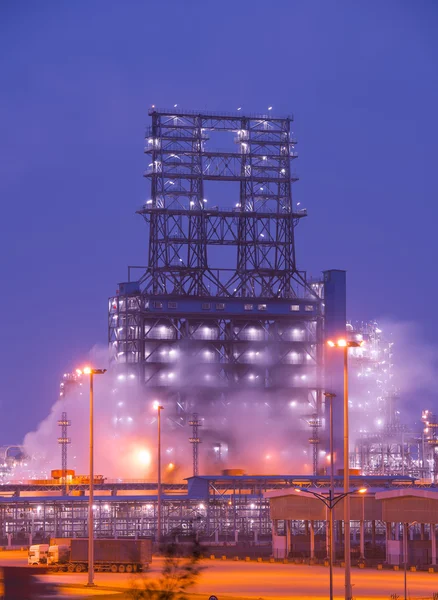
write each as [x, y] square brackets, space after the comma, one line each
[345, 344]
[330, 502]
[159, 408]
[405, 555]
[330, 397]
[91, 372]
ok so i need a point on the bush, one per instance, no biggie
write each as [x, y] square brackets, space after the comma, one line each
[179, 573]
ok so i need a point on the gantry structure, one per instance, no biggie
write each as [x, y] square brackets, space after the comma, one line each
[221, 295]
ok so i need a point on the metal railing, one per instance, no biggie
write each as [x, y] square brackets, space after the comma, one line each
[219, 114]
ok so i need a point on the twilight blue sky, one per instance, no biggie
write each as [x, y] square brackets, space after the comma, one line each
[76, 79]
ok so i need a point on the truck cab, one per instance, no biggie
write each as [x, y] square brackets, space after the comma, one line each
[37, 554]
[58, 555]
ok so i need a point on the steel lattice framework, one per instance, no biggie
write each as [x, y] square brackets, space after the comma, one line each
[197, 335]
[64, 441]
[182, 226]
[195, 441]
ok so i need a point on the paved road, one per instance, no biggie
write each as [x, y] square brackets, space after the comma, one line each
[265, 580]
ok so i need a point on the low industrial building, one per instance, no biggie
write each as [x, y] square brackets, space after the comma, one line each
[387, 524]
[246, 511]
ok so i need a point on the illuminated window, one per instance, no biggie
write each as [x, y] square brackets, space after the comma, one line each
[294, 307]
[262, 306]
[248, 306]
[220, 306]
[309, 307]
[157, 304]
[206, 306]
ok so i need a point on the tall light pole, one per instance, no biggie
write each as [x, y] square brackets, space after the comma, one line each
[405, 555]
[159, 409]
[345, 344]
[330, 502]
[331, 397]
[91, 372]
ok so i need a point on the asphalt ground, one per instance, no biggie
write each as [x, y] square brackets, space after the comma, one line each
[239, 579]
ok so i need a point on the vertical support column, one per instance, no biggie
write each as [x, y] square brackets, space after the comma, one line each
[288, 538]
[335, 318]
[397, 531]
[387, 539]
[373, 533]
[362, 538]
[312, 540]
[433, 542]
[422, 532]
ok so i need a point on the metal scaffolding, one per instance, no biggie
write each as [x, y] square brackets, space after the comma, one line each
[253, 325]
[216, 509]
[195, 441]
[64, 441]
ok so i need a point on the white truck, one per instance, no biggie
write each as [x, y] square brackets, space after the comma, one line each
[58, 555]
[38, 554]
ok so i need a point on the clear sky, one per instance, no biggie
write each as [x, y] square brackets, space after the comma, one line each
[76, 80]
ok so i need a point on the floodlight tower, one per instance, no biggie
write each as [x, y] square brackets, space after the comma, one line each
[195, 441]
[64, 441]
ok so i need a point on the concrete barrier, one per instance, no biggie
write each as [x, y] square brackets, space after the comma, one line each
[212, 556]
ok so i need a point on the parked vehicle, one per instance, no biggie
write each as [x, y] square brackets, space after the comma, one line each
[37, 554]
[58, 554]
[117, 556]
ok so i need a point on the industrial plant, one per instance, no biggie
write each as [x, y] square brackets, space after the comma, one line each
[228, 335]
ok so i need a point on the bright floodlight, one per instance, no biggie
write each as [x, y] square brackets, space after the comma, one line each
[362, 490]
[297, 490]
[343, 343]
[144, 457]
[87, 370]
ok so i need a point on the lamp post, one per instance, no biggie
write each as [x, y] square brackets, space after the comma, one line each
[345, 344]
[159, 408]
[331, 397]
[405, 555]
[91, 372]
[330, 502]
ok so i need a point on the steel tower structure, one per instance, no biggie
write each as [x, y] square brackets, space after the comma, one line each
[254, 324]
[64, 441]
[195, 441]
